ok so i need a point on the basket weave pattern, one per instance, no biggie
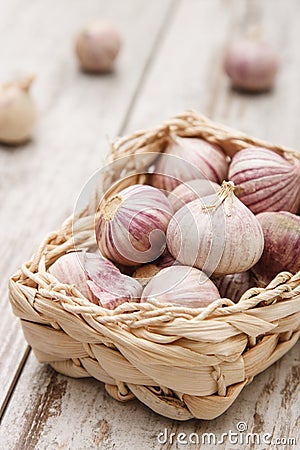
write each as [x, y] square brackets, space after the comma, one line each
[181, 362]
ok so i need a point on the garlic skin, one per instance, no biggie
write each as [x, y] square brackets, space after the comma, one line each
[235, 285]
[251, 65]
[17, 112]
[265, 181]
[108, 284]
[181, 286]
[69, 269]
[146, 272]
[97, 47]
[132, 225]
[217, 234]
[187, 159]
[282, 245]
[191, 190]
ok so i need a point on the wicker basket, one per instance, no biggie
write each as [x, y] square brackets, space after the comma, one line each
[181, 362]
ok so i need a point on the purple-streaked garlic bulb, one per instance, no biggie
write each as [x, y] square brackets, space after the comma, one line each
[187, 159]
[217, 234]
[132, 225]
[251, 65]
[282, 245]
[108, 284]
[181, 286]
[265, 181]
[97, 46]
[191, 190]
[145, 272]
[96, 278]
[235, 285]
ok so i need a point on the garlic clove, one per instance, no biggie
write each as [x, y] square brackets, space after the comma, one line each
[132, 225]
[181, 286]
[217, 234]
[251, 64]
[265, 181]
[282, 245]
[191, 190]
[108, 284]
[17, 112]
[113, 293]
[69, 269]
[187, 159]
[97, 46]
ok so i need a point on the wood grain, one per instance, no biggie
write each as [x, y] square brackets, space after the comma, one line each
[78, 114]
[50, 411]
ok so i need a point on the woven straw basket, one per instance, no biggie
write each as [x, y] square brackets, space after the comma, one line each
[181, 362]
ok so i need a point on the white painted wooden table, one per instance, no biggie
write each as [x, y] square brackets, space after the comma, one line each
[170, 62]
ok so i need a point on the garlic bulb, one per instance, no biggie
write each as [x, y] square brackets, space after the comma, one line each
[108, 284]
[97, 46]
[282, 245]
[96, 278]
[265, 181]
[235, 285]
[251, 65]
[181, 286]
[147, 271]
[132, 225]
[17, 112]
[191, 190]
[187, 159]
[69, 269]
[217, 234]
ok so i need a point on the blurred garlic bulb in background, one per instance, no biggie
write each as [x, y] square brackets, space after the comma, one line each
[17, 111]
[97, 46]
[251, 64]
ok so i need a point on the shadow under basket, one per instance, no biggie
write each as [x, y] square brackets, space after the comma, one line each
[180, 362]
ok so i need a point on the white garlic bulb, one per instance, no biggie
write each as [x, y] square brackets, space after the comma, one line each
[17, 112]
[181, 286]
[217, 234]
[97, 46]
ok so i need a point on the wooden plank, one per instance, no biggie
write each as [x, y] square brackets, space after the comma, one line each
[77, 115]
[50, 411]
